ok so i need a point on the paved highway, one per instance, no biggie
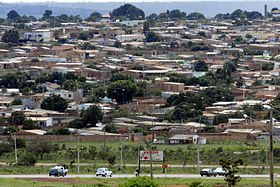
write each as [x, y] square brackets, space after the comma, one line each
[193, 176]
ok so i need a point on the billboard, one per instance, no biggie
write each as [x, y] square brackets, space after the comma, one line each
[156, 155]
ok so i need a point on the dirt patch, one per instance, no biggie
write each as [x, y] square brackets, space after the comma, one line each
[64, 180]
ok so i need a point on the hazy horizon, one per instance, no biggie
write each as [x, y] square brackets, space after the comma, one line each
[122, 1]
[84, 8]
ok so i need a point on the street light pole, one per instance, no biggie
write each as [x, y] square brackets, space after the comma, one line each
[78, 151]
[270, 131]
[271, 150]
[15, 140]
[151, 159]
[258, 155]
[198, 160]
[121, 144]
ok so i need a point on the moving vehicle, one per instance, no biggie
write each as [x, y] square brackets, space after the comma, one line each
[220, 171]
[58, 171]
[208, 172]
[104, 172]
[61, 167]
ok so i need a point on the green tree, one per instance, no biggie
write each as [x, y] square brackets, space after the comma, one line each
[232, 167]
[59, 131]
[88, 46]
[121, 76]
[154, 92]
[10, 130]
[29, 125]
[146, 27]
[200, 66]
[267, 66]
[111, 128]
[39, 149]
[11, 36]
[69, 85]
[47, 14]
[117, 44]
[122, 91]
[195, 16]
[83, 36]
[21, 143]
[112, 159]
[13, 15]
[70, 76]
[5, 148]
[27, 159]
[139, 130]
[152, 37]
[95, 16]
[54, 102]
[236, 14]
[91, 116]
[140, 182]
[16, 80]
[220, 118]
[128, 11]
[17, 118]
[77, 123]
[16, 102]
[176, 14]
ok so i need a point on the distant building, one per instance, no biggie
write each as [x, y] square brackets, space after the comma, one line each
[41, 35]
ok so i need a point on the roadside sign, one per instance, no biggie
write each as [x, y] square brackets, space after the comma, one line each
[156, 155]
[164, 165]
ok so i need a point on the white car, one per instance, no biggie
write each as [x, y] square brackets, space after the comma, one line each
[104, 172]
[220, 171]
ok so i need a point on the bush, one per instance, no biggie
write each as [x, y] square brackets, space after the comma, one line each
[140, 182]
[59, 131]
[111, 128]
[112, 159]
[27, 159]
[21, 143]
[9, 130]
[16, 102]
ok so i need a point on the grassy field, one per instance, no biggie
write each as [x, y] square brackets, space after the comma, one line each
[234, 146]
[94, 182]
[182, 181]
[4, 182]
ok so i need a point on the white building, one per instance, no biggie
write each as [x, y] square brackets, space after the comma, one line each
[43, 35]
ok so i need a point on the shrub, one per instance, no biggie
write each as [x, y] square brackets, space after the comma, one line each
[27, 159]
[140, 182]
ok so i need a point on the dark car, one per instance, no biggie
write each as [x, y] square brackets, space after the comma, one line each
[208, 172]
[56, 172]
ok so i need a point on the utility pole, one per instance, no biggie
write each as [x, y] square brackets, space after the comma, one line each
[78, 151]
[104, 137]
[266, 153]
[139, 162]
[271, 149]
[151, 159]
[198, 160]
[15, 140]
[121, 144]
[258, 155]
